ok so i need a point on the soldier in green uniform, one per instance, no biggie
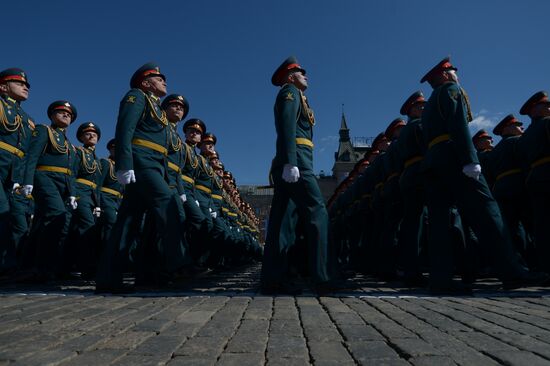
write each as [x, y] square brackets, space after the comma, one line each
[294, 180]
[177, 108]
[111, 194]
[83, 246]
[534, 149]
[392, 203]
[483, 143]
[197, 186]
[49, 177]
[15, 134]
[381, 144]
[410, 154]
[453, 176]
[141, 164]
[508, 177]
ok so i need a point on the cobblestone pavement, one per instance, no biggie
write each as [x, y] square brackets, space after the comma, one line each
[221, 319]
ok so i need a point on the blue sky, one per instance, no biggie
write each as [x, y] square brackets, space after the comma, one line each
[369, 55]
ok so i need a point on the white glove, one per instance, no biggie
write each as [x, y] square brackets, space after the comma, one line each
[27, 189]
[15, 187]
[183, 197]
[472, 170]
[197, 202]
[214, 214]
[97, 212]
[126, 176]
[72, 202]
[291, 173]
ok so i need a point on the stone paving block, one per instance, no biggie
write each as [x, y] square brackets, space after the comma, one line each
[221, 328]
[95, 357]
[241, 359]
[290, 347]
[329, 351]
[248, 344]
[432, 360]
[158, 345]
[360, 332]
[192, 361]
[209, 346]
[196, 317]
[527, 343]
[369, 350]
[142, 360]
[347, 318]
[291, 328]
[127, 340]
[259, 308]
[296, 361]
[520, 358]
[335, 305]
[483, 342]
[507, 321]
[81, 343]
[412, 347]
[322, 334]
[254, 325]
[385, 362]
[49, 357]
[461, 353]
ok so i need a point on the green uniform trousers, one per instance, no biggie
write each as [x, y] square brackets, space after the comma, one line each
[150, 193]
[480, 211]
[310, 206]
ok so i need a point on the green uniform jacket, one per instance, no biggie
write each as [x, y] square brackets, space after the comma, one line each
[505, 168]
[291, 122]
[50, 147]
[87, 166]
[140, 117]
[391, 171]
[15, 130]
[485, 158]
[445, 114]
[175, 158]
[217, 194]
[410, 154]
[204, 178]
[189, 167]
[108, 176]
[534, 146]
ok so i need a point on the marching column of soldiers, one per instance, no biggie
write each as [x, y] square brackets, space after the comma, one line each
[427, 197]
[160, 206]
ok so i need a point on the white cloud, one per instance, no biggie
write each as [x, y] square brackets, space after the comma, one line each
[483, 122]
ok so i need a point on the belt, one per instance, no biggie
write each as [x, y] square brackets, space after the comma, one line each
[187, 179]
[217, 197]
[438, 139]
[174, 166]
[413, 160]
[304, 141]
[12, 149]
[391, 176]
[55, 169]
[111, 191]
[203, 188]
[151, 145]
[507, 173]
[540, 162]
[87, 182]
